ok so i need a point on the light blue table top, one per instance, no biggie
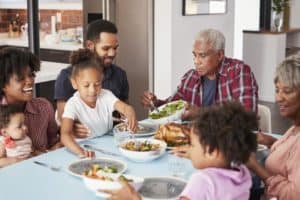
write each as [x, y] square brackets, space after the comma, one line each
[28, 181]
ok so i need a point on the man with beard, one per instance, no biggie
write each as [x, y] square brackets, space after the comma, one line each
[101, 37]
[214, 79]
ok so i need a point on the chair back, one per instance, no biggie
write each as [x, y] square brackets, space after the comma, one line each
[264, 115]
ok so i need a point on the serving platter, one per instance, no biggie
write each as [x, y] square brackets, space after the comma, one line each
[166, 188]
[79, 167]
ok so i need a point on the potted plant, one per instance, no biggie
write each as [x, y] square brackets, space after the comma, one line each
[278, 7]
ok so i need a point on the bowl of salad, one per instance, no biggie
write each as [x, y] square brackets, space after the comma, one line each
[142, 149]
[99, 182]
[168, 112]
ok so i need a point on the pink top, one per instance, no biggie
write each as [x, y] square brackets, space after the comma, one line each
[218, 183]
[39, 118]
[284, 162]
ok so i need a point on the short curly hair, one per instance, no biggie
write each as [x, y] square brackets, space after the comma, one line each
[6, 112]
[227, 127]
[15, 61]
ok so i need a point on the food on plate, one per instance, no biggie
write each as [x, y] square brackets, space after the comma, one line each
[168, 109]
[95, 168]
[173, 134]
[141, 146]
[122, 127]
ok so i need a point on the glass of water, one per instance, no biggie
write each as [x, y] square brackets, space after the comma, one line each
[120, 136]
[176, 165]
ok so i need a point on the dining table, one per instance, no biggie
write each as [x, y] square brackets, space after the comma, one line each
[30, 181]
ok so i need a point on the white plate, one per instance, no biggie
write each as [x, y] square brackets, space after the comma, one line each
[77, 168]
[171, 118]
[166, 188]
[148, 130]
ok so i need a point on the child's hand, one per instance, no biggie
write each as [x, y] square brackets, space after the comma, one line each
[181, 151]
[131, 118]
[80, 131]
[126, 192]
[87, 154]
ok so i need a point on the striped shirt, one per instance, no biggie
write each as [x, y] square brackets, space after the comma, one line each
[235, 81]
[39, 118]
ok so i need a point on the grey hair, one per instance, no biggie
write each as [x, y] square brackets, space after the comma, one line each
[289, 72]
[213, 37]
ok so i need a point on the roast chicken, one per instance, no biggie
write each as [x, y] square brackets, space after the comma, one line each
[173, 134]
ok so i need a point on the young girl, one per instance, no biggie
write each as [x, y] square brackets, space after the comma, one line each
[15, 145]
[17, 72]
[91, 105]
[221, 142]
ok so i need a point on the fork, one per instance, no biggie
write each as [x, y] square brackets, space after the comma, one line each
[53, 168]
[153, 106]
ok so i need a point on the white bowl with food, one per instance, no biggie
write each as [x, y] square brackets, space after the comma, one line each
[100, 182]
[142, 149]
[168, 112]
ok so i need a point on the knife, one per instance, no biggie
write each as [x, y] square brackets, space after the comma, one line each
[90, 147]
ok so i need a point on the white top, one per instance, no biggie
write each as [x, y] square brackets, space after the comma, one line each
[99, 119]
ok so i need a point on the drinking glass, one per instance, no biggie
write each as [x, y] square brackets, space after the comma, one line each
[120, 136]
[176, 165]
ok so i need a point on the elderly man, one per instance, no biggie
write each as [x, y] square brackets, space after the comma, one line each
[101, 37]
[215, 78]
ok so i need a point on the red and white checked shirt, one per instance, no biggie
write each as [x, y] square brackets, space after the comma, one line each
[235, 81]
[39, 118]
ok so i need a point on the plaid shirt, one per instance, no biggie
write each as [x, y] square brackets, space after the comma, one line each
[235, 81]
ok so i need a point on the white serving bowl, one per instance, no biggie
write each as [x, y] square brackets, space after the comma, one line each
[176, 116]
[143, 156]
[96, 184]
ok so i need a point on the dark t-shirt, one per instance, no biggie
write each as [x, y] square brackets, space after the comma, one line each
[115, 80]
[209, 91]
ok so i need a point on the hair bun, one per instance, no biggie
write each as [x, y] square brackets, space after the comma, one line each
[81, 55]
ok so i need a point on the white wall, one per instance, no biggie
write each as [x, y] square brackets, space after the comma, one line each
[246, 18]
[173, 40]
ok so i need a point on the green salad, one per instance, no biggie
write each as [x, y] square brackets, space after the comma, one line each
[168, 109]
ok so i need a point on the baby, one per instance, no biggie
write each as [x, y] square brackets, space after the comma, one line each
[15, 145]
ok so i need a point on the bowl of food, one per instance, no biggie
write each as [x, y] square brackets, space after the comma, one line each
[173, 134]
[105, 166]
[99, 182]
[142, 149]
[168, 112]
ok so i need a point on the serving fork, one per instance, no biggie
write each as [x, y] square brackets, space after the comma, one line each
[53, 168]
[153, 106]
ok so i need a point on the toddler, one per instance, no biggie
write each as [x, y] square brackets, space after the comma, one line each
[221, 142]
[90, 105]
[15, 145]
